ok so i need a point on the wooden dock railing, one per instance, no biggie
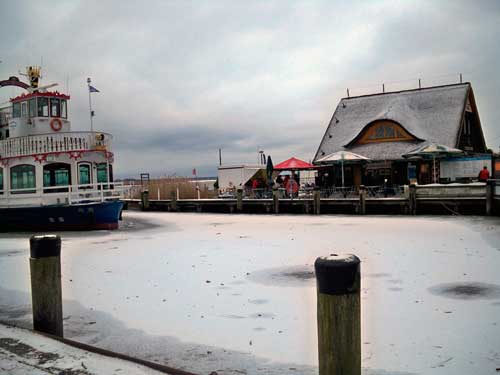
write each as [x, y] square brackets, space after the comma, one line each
[476, 198]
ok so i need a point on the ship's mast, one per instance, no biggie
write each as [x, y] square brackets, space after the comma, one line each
[90, 107]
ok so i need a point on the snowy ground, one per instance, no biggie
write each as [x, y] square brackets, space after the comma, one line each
[233, 293]
[23, 352]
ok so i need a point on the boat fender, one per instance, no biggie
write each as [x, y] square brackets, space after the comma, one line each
[56, 124]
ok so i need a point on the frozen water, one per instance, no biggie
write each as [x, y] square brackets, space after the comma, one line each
[233, 293]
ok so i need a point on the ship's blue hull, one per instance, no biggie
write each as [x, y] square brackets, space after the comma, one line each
[103, 215]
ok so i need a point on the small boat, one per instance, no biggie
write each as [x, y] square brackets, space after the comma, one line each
[52, 178]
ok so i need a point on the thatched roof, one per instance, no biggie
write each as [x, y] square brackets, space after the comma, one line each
[431, 114]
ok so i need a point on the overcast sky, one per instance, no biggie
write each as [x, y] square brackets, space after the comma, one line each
[179, 79]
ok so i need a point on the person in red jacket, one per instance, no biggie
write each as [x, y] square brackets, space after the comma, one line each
[484, 175]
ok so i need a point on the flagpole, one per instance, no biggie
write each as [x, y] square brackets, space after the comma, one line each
[90, 107]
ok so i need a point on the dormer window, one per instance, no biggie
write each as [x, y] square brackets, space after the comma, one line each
[384, 131]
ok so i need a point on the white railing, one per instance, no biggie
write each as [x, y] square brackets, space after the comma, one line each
[62, 195]
[476, 189]
[54, 142]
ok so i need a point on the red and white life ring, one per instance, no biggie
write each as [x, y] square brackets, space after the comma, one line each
[56, 124]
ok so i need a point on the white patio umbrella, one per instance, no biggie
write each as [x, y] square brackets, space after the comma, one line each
[434, 150]
[341, 157]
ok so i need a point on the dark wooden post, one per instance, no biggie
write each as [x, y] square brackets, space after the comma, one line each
[276, 200]
[317, 201]
[362, 199]
[46, 292]
[239, 199]
[412, 201]
[145, 200]
[306, 206]
[339, 314]
[173, 201]
[489, 197]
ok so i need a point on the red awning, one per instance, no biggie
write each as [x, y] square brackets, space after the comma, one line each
[293, 164]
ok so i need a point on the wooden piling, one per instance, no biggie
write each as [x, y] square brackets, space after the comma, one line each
[173, 201]
[339, 314]
[489, 197]
[46, 291]
[317, 201]
[306, 207]
[276, 201]
[412, 200]
[145, 200]
[362, 200]
[239, 200]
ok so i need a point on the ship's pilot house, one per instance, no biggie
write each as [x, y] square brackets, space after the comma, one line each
[39, 113]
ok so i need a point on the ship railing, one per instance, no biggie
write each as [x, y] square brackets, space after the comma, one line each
[62, 195]
[55, 142]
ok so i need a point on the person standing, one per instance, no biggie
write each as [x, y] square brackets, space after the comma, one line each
[484, 175]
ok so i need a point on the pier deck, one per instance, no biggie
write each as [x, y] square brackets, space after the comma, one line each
[23, 351]
[476, 198]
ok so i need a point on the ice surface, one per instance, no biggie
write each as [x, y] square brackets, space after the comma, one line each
[231, 293]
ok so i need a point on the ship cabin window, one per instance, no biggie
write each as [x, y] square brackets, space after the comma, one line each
[24, 109]
[64, 109]
[84, 174]
[16, 109]
[55, 107]
[32, 107]
[43, 106]
[56, 174]
[1, 180]
[22, 179]
[102, 173]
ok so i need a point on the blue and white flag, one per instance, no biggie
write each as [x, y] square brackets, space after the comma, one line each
[93, 89]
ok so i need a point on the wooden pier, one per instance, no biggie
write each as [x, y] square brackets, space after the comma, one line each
[479, 199]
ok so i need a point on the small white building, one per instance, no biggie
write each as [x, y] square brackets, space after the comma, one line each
[232, 177]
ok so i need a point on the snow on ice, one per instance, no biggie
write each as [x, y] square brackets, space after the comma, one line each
[232, 293]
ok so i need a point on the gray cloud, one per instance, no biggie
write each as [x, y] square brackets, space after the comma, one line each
[178, 80]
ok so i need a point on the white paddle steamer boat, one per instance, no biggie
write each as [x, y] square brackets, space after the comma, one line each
[50, 176]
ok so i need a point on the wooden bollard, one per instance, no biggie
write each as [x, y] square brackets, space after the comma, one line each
[339, 314]
[276, 201]
[46, 292]
[317, 201]
[489, 197]
[412, 203]
[173, 201]
[239, 200]
[145, 200]
[362, 199]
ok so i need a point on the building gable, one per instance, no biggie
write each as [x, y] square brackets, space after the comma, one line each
[470, 136]
[433, 114]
